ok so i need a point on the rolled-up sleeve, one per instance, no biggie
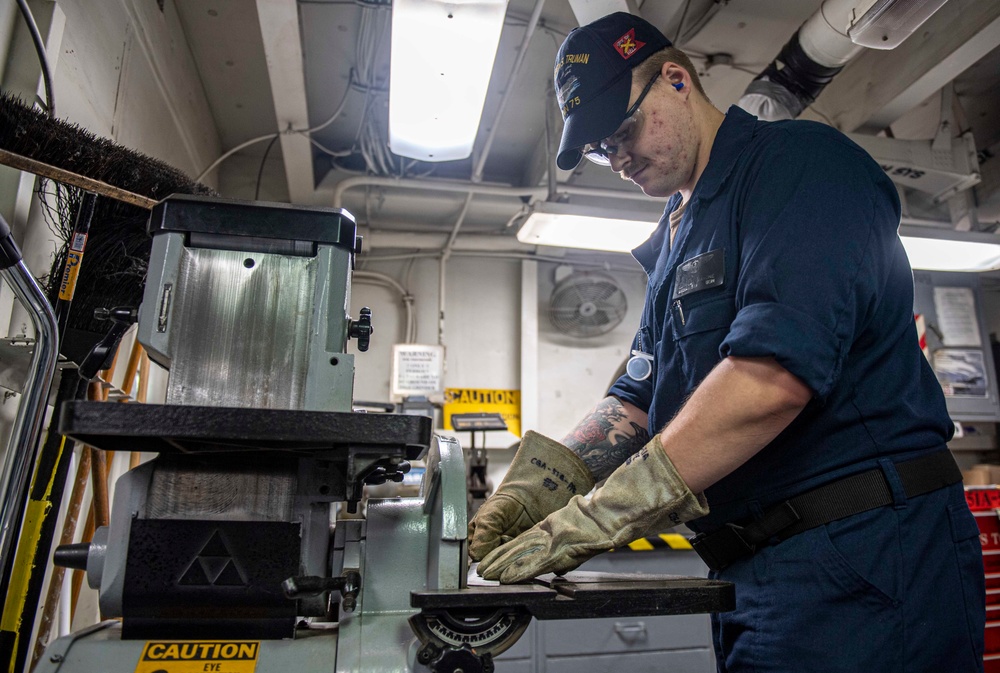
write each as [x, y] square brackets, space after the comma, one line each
[627, 389]
[811, 251]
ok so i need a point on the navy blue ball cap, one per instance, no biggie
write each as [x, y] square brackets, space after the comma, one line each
[593, 78]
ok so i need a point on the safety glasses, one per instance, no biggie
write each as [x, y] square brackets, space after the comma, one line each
[601, 152]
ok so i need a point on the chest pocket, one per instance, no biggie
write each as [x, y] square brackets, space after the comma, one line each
[697, 315]
[701, 301]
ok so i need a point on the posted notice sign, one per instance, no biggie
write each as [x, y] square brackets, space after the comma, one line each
[417, 369]
[507, 403]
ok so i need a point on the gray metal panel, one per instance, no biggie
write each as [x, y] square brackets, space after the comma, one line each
[634, 634]
[252, 330]
[524, 646]
[689, 661]
[242, 325]
[504, 665]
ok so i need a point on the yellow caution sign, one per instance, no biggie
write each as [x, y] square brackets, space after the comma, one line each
[199, 656]
[507, 403]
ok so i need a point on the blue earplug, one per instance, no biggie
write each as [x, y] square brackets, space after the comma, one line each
[679, 86]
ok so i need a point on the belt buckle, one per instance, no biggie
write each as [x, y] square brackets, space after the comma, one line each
[745, 548]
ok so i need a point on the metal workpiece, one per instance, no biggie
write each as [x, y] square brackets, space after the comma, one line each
[581, 595]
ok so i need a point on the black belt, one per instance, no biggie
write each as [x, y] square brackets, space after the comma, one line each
[839, 499]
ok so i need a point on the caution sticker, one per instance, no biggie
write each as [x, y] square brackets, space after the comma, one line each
[507, 403]
[661, 541]
[199, 656]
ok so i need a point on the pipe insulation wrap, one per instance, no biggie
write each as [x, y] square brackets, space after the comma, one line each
[798, 74]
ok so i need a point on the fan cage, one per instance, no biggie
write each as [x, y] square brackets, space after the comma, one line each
[587, 304]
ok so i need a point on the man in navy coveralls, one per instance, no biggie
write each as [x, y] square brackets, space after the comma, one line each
[777, 402]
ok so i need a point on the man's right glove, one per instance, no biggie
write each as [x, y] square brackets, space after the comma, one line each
[542, 478]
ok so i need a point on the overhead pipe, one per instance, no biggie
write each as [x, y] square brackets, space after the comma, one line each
[457, 187]
[810, 59]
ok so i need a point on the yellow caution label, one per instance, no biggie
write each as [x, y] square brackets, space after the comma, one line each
[507, 403]
[198, 656]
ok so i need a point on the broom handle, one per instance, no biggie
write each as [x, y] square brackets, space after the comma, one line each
[45, 170]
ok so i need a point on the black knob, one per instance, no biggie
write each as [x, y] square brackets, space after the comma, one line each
[361, 329]
[462, 659]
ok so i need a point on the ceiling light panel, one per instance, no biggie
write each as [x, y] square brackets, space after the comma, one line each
[440, 65]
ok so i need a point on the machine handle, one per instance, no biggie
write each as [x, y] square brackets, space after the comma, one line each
[101, 354]
[361, 329]
[72, 555]
[631, 633]
[348, 584]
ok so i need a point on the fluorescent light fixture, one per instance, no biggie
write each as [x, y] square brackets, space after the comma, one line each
[440, 65]
[566, 226]
[934, 249]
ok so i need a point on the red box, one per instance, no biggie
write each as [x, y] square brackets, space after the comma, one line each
[991, 663]
[988, 521]
[993, 637]
[982, 497]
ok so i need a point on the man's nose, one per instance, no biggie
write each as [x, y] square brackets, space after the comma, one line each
[619, 160]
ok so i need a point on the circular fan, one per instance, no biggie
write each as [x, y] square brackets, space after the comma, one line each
[586, 304]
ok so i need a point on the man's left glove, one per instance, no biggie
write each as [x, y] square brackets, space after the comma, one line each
[642, 494]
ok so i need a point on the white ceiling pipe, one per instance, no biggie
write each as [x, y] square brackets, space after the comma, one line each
[467, 187]
[381, 239]
[823, 36]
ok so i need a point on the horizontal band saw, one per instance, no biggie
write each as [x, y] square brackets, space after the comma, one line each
[242, 546]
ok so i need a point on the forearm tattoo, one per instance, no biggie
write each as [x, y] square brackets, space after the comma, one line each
[606, 437]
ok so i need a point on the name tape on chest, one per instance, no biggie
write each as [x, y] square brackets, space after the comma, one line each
[700, 273]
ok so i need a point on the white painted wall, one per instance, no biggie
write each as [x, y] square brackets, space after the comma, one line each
[484, 339]
[575, 373]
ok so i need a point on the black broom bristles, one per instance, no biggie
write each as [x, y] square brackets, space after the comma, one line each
[117, 255]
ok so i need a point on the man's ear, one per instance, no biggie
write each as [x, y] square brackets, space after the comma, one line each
[675, 75]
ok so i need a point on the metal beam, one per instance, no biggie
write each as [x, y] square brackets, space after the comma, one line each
[587, 11]
[878, 87]
[279, 28]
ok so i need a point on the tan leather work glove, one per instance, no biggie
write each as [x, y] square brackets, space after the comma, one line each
[643, 493]
[542, 478]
